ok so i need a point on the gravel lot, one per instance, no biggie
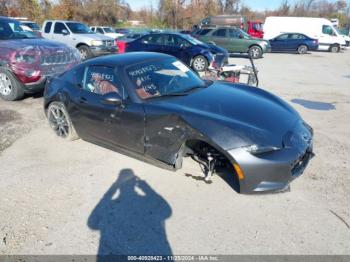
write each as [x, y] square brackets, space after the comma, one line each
[61, 197]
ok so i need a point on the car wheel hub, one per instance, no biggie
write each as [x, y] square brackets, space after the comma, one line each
[302, 49]
[5, 84]
[199, 64]
[83, 54]
[255, 52]
[58, 121]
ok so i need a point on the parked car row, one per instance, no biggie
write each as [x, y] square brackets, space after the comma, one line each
[155, 106]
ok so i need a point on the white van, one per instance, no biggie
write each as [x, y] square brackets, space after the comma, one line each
[318, 28]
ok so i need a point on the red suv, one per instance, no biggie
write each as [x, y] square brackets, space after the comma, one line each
[26, 60]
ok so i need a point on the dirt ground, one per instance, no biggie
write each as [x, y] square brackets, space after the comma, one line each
[61, 197]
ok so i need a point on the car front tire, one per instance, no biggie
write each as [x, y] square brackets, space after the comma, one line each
[85, 52]
[10, 88]
[302, 49]
[255, 52]
[200, 63]
[334, 49]
[60, 121]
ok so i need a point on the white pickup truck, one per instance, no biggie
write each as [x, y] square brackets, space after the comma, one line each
[80, 36]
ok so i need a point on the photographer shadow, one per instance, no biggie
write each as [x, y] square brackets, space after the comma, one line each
[131, 219]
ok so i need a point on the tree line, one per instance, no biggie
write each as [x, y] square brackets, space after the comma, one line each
[168, 13]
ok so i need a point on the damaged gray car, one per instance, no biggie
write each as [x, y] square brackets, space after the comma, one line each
[153, 107]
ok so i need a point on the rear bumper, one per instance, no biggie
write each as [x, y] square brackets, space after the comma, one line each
[103, 50]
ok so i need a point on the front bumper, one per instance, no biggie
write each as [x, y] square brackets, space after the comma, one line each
[103, 50]
[35, 87]
[273, 171]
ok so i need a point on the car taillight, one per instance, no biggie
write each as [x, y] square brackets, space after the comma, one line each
[121, 47]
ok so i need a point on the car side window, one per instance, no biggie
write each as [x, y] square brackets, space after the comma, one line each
[204, 31]
[328, 30]
[282, 37]
[234, 33]
[297, 37]
[173, 40]
[59, 27]
[220, 33]
[102, 80]
[99, 30]
[153, 39]
[48, 27]
[92, 29]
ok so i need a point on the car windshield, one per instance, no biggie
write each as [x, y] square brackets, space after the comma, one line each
[33, 26]
[163, 77]
[12, 30]
[342, 31]
[108, 30]
[78, 28]
[192, 40]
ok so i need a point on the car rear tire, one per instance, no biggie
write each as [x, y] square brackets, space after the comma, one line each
[10, 88]
[60, 121]
[200, 63]
[334, 49]
[302, 49]
[255, 52]
[85, 52]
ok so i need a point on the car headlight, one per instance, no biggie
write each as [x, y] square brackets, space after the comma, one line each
[96, 42]
[23, 58]
[258, 149]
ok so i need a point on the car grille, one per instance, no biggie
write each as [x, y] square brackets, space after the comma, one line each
[58, 58]
[108, 42]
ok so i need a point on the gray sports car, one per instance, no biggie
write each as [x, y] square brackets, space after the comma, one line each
[153, 107]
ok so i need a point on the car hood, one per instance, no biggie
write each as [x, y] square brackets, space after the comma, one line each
[113, 35]
[34, 42]
[86, 37]
[249, 115]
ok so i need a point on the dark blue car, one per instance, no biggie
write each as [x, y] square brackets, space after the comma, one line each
[189, 50]
[293, 42]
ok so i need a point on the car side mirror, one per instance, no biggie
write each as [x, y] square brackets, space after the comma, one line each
[64, 32]
[112, 98]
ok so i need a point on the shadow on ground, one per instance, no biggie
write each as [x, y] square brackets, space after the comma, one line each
[314, 104]
[131, 219]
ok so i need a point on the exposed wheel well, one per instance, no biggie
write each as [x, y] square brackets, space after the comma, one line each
[81, 44]
[254, 45]
[223, 166]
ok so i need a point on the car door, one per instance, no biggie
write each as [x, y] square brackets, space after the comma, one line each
[219, 37]
[280, 43]
[58, 34]
[151, 43]
[176, 46]
[294, 41]
[237, 41]
[112, 125]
